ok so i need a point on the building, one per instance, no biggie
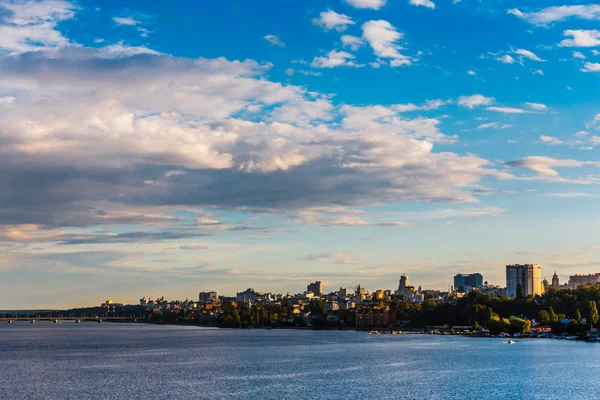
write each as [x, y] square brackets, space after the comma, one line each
[464, 283]
[375, 317]
[316, 288]
[555, 281]
[582, 280]
[529, 276]
[207, 297]
[403, 286]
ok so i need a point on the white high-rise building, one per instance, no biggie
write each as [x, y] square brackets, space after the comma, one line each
[529, 276]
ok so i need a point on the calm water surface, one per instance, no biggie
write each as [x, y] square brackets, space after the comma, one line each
[130, 361]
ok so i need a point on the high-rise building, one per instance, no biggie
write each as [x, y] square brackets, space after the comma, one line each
[403, 286]
[464, 283]
[555, 281]
[529, 276]
[207, 297]
[316, 288]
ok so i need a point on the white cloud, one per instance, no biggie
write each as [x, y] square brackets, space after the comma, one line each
[581, 38]
[471, 72]
[591, 67]
[528, 54]
[559, 13]
[551, 140]
[383, 37]
[508, 110]
[578, 54]
[475, 100]
[125, 21]
[546, 166]
[595, 122]
[537, 72]
[335, 59]
[424, 3]
[331, 20]
[31, 25]
[537, 106]
[6, 100]
[274, 40]
[506, 59]
[373, 4]
[352, 41]
[494, 125]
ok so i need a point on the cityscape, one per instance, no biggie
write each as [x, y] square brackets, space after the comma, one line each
[299, 199]
[527, 306]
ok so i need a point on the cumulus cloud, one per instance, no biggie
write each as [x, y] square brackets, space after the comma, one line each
[578, 54]
[591, 67]
[559, 13]
[550, 140]
[331, 20]
[475, 101]
[274, 40]
[372, 4]
[528, 54]
[505, 59]
[383, 38]
[352, 41]
[31, 25]
[424, 3]
[334, 59]
[581, 38]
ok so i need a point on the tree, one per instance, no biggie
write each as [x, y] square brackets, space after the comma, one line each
[519, 325]
[552, 315]
[593, 314]
[543, 318]
[578, 315]
[520, 292]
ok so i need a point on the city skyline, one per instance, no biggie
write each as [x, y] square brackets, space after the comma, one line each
[150, 147]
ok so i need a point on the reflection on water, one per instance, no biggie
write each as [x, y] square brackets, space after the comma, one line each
[130, 361]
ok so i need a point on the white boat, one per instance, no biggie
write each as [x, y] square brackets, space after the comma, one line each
[511, 342]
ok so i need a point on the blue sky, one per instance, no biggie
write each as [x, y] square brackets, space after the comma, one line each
[154, 148]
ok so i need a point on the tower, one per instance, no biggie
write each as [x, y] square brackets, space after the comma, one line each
[555, 281]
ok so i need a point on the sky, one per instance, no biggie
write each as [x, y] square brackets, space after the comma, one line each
[162, 148]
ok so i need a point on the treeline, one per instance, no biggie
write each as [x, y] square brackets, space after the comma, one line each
[579, 306]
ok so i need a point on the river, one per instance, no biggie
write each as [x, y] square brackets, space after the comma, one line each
[139, 361]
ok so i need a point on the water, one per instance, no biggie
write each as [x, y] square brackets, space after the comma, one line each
[136, 361]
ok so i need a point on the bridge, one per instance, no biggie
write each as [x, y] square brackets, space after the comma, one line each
[58, 320]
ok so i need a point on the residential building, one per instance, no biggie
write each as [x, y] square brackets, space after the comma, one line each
[316, 288]
[581, 280]
[207, 297]
[375, 317]
[464, 283]
[529, 276]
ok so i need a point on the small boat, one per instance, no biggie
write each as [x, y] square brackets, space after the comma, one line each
[511, 342]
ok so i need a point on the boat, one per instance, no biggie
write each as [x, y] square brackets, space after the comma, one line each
[511, 341]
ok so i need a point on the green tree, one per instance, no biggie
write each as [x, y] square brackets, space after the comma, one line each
[552, 315]
[543, 317]
[520, 292]
[519, 325]
[578, 315]
[593, 314]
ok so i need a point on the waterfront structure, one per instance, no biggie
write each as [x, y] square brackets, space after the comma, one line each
[374, 317]
[464, 283]
[207, 297]
[529, 276]
[582, 280]
[316, 288]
